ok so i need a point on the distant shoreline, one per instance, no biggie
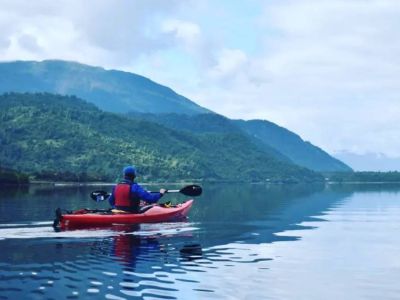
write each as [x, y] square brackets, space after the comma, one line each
[363, 182]
[77, 184]
[90, 183]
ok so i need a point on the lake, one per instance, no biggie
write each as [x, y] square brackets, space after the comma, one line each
[248, 242]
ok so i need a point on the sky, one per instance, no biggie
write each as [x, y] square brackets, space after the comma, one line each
[328, 70]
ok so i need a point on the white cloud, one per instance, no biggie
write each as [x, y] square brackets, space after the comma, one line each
[328, 70]
[108, 33]
[341, 58]
[28, 42]
[229, 63]
[187, 32]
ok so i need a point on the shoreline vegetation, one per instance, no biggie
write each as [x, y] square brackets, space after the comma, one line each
[63, 140]
[12, 177]
[54, 137]
[9, 176]
[363, 177]
[91, 183]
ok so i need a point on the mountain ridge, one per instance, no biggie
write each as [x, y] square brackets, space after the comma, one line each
[278, 141]
[124, 92]
[63, 137]
[301, 152]
[111, 90]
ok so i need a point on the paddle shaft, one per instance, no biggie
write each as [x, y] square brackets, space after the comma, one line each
[190, 190]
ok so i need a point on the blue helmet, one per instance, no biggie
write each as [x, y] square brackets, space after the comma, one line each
[129, 171]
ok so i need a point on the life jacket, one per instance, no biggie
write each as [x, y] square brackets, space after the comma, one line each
[124, 199]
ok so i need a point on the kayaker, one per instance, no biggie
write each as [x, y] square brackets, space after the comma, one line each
[127, 194]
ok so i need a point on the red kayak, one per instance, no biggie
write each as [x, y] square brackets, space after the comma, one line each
[155, 214]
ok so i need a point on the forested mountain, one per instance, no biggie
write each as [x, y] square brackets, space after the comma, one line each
[65, 138]
[290, 144]
[206, 124]
[110, 90]
[127, 93]
[277, 141]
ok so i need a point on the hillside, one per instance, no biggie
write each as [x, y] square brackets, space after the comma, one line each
[272, 139]
[65, 138]
[207, 124]
[110, 90]
[127, 93]
[301, 152]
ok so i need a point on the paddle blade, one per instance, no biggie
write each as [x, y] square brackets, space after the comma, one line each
[192, 190]
[99, 195]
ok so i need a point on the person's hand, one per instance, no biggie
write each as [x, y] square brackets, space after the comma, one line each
[163, 191]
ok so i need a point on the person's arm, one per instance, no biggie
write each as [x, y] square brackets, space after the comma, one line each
[145, 195]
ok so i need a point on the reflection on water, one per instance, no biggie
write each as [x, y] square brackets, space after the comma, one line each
[253, 242]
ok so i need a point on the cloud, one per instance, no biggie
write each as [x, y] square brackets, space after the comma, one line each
[228, 64]
[4, 43]
[111, 33]
[328, 70]
[186, 32]
[29, 42]
[340, 60]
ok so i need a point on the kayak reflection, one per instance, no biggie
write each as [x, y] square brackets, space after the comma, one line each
[127, 246]
[121, 243]
[140, 242]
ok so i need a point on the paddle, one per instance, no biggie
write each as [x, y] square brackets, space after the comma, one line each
[99, 195]
[189, 190]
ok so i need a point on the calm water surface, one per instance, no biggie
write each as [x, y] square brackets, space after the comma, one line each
[253, 242]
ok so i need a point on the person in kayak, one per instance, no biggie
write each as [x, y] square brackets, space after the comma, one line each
[127, 194]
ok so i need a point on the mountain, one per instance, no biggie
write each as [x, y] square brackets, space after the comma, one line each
[110, 90]
[65, 138]
[370, 161]
[301, 152]
[122, 92]
[206, 124]
[278, 142]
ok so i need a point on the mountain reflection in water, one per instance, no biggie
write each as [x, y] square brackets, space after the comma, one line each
[241, 241]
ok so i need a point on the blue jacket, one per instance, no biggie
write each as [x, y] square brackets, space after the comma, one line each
[137, 190]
